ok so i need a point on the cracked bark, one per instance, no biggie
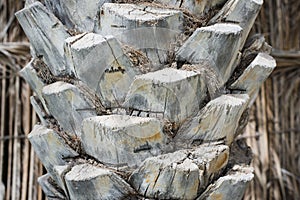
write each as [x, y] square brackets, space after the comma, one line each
[163, 130]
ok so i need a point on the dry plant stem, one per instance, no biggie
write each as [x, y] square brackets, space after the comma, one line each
[281, 101]
[16, 116]
[26, 149]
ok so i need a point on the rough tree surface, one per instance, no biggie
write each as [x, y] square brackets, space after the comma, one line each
[143, 99]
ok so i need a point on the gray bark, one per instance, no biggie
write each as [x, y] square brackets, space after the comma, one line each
[142, 100]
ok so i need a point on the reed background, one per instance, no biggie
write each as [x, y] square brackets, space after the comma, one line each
[273, 131]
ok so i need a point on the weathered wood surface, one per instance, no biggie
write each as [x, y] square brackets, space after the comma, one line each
[122, 140]
[50, 147]
[254, 75]
[59, 172]
[35, 82]
[46, 34]
[100, 62]
[97, 183]
[39, 109]
[231, 186]
[198, 8]
[243, 12]
[146, 129]
[69, 105]
[51, 191]
[211, 78]
[177, 94]
[217, 120]
[81, 19]
[179, 175]
[217, 44]
[149, 29]
[57, 8]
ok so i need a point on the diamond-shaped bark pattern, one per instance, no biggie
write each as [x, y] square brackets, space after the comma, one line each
[129, 96]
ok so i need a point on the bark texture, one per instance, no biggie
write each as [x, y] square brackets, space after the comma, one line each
[142, 99]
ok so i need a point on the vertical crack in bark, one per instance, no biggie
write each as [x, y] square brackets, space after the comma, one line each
[145, 193]
[117, 154]
[187, 181]
[165, 103]
[172, 179]
[112, 52]
[181, 2]
[156, 179]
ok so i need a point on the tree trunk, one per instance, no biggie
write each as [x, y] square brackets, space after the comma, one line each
[143, 99]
